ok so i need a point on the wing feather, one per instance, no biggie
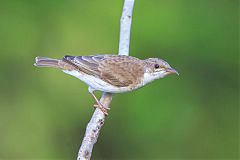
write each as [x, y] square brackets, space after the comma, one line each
[120, 71]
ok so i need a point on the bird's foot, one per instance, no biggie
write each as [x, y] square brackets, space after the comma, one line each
[96, 106]
[102, 108]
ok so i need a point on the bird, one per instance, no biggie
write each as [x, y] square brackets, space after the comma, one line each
[110, 73]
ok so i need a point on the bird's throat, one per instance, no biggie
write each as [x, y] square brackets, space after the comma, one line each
[149, 77]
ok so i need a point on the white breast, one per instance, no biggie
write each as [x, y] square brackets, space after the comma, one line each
[96, 83]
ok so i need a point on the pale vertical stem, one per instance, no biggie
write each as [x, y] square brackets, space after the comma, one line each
[93, 129]
[125, 27]
[98, 118]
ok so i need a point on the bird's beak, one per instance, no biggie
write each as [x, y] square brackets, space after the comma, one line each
[172, 71]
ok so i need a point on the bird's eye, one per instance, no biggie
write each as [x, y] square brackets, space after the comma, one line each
[156, 66]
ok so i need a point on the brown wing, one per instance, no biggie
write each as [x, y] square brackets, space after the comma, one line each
[121, 71]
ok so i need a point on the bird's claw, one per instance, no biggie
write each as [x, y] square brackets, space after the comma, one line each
[96, 106]
[103, 109]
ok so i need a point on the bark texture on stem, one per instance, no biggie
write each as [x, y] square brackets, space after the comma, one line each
[93, 129]
[98, 118]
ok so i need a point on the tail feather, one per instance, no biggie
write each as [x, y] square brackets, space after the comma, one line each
[46, 62]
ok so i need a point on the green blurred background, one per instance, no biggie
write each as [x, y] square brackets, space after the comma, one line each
[44, 112]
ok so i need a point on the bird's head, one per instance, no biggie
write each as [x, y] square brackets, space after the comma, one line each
[157, 68]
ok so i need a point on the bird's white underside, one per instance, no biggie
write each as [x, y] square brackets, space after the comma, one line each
[97, 84]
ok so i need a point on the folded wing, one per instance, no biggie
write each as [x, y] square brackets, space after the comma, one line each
[120, 71]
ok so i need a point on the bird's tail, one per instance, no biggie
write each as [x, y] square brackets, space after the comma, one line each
[47, 62]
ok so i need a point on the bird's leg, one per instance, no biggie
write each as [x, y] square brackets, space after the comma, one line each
[99, 105]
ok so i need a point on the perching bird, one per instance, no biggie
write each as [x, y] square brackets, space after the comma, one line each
[110, 73]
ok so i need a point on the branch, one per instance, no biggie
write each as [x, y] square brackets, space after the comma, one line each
[98, 118]
[125, 27]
